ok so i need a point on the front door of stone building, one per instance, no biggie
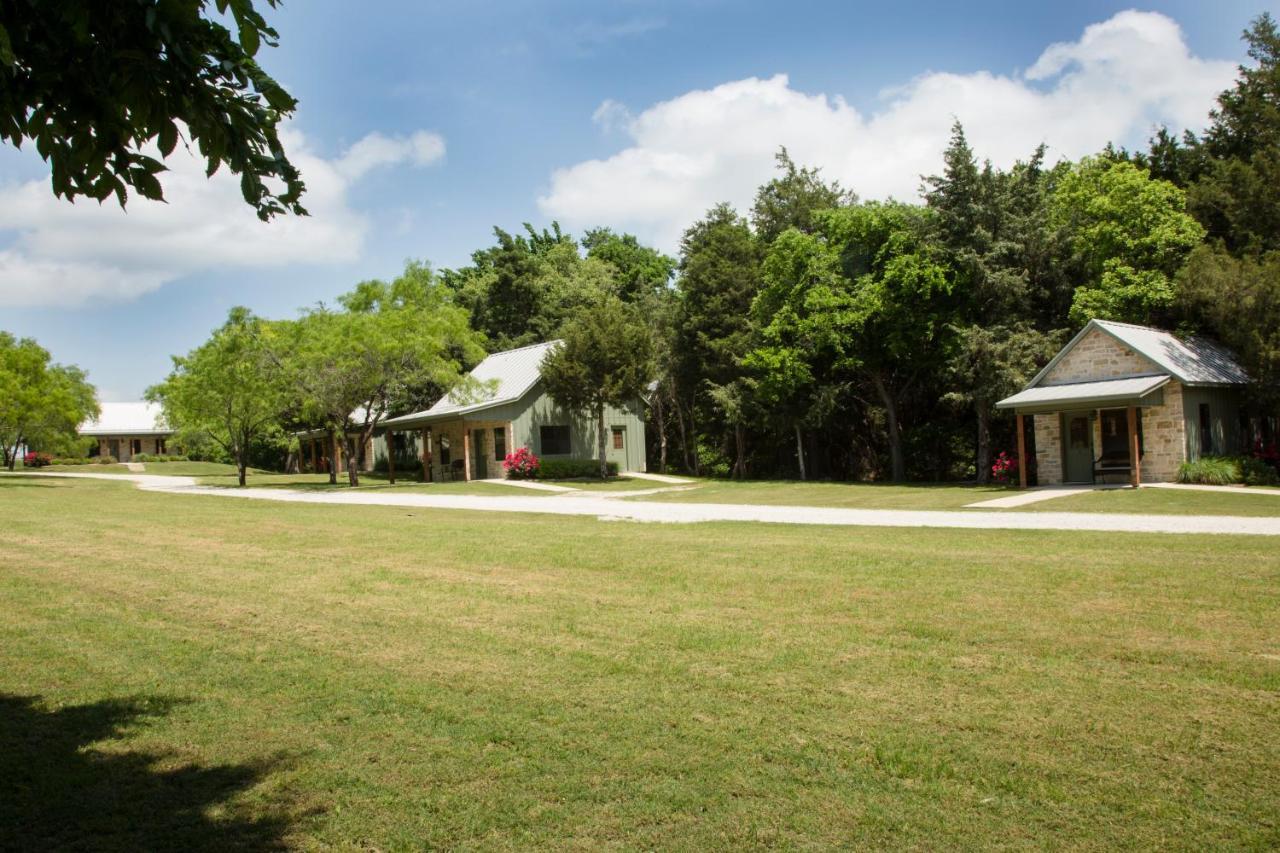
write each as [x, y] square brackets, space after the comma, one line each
[1077, 449]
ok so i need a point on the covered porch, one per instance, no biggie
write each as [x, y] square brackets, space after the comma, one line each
[452, 449]
[1085, 432]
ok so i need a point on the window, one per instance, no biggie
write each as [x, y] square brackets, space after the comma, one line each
[444, 450]
[554, 440]
[160, 447]
[1206, 430]
[137, 445]
[499, 444]
[617, 437]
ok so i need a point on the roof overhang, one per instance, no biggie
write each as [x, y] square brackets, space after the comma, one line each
[1105, 393]
[123, 433]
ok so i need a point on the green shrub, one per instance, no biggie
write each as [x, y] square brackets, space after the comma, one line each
[142, 457]
[73, 460]
[1211, 471]
[572, 469]
[1256, 472]
[106, 460]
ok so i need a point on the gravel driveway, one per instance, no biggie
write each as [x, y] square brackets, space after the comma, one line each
[654, 511]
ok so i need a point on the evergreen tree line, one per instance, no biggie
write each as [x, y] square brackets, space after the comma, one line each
[818, 335]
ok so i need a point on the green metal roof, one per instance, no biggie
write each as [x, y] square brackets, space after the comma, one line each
[1086, 394]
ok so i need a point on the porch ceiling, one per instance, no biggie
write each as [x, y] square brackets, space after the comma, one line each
[1132, 391]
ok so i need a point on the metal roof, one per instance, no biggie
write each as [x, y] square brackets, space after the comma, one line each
[1084, 394]
[127, 419]
[1190, 360]
[503, 377]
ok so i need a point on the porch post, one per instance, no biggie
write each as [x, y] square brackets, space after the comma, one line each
[391, 455]
[337, 455]
[1022, 451]
[1135, 458]
[466, 453]
[426, 455]
[315, 458]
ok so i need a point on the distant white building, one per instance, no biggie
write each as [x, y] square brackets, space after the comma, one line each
[124, 430]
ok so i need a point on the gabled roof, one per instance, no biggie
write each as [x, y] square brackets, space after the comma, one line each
[1191, 360]
[504, 377]
[127, 419]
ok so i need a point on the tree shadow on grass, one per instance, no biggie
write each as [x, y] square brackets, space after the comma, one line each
[58, 792]
[18, 481]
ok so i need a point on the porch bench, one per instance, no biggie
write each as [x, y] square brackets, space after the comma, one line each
[1108, 466]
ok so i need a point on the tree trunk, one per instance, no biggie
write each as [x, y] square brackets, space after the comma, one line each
[353, 462]
[684, 438]
[600, 442]
[240, 469]
[897, 464]
[984, 443]
[391, 457]
[662, 431]
[800, 451]
[333, 458]
[739, 452]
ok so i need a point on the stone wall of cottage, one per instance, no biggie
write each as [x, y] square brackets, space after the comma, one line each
[1164, 440]
[1099, 356]
[1048, 430]
[1164, 437]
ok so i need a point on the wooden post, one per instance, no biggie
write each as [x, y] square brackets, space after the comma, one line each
[1022, 452]
[391, 456]
[426, 455]
[315, 456]
[466, 453]
[1135, 454]
[337, 456]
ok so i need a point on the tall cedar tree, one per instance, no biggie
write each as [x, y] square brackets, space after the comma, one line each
[719, 278]
[605, 359]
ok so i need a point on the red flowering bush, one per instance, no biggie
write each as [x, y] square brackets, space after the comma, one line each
[521, 464]
[36, 460]
[1005, 468]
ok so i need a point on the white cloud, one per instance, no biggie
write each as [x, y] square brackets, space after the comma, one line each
[68, 255]
[1116, 83]
[421, 149]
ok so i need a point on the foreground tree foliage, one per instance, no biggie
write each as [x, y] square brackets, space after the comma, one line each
[604, 360]
[42, 404]
[230, 391]
[100, 89]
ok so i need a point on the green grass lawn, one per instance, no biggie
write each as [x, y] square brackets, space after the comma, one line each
[852, 495]
[1250, 501]
[192, 672]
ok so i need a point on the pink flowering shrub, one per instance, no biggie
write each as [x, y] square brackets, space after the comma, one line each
[36, 460]
[521, 464]
[1005, 468]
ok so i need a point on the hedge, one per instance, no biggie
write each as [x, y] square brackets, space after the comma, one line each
[572, 469]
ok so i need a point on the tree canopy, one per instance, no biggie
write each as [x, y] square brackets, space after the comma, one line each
[106, 91]
[42, 403]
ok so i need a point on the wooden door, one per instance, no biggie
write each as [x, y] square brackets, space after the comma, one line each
[1077, 449]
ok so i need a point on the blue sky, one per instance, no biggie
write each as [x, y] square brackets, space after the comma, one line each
[632, 114]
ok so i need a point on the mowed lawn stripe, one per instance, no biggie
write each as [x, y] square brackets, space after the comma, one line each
[421, 677]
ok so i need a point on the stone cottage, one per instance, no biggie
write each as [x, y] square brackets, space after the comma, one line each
[1128, 402]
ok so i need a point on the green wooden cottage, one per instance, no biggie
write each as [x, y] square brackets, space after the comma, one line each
[1129, 402]
[466, 435]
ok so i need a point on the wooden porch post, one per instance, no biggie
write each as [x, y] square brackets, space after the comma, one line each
[391, 456]
[466, 453]
[315, 458]
[337, 456]
[1022, 451]
[426, 455]
[1135, 456]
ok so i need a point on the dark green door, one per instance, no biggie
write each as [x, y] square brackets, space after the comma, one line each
[479, 470]
[1077, 434]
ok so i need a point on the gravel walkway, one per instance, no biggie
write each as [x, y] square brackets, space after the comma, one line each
[652, 511]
